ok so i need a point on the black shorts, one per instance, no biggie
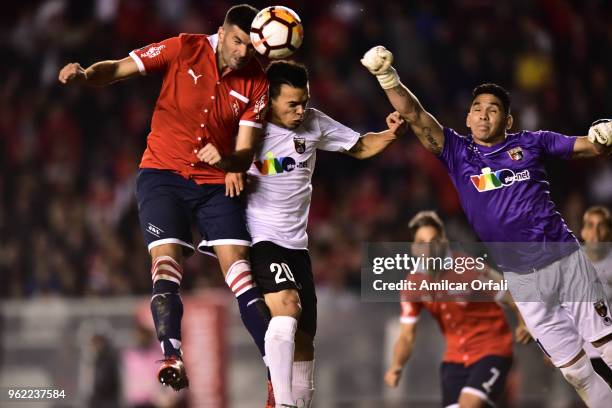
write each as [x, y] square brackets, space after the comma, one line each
[276, 268]
[168, 204]
[485, 378]
[602, 369]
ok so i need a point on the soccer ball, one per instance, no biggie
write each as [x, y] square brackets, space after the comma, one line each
[276, 32]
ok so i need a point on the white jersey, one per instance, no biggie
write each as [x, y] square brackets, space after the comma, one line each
[280, 188]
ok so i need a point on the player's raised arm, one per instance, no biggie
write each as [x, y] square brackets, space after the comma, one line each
[378, 60]
[598, 141]
[373, 143]
[99, 74]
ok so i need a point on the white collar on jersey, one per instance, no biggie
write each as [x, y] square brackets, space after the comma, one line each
[213, 40]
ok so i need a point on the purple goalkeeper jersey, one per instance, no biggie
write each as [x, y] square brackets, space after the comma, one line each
[504, 191]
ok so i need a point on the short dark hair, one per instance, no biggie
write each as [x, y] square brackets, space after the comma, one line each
[425, 219]
[241, 15]
[288, 73]
[494, 89]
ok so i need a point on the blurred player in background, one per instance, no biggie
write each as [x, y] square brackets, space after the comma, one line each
[478, 353]
[278, 199]
[597, 236]
[206, 122]
[516, 208]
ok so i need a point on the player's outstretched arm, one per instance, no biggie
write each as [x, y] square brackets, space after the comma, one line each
[401, 353]
[378, 60]
[373, 143]
[99, 74]
[598, 142]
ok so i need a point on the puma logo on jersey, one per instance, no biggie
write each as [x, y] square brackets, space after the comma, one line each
[195, 77]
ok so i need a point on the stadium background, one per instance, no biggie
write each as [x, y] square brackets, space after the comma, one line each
[69, 236]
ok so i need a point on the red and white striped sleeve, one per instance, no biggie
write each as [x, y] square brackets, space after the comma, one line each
[157, 56]
[252, 115]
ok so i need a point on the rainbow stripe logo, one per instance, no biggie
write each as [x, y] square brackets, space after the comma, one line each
[275, 165]
[492, 180]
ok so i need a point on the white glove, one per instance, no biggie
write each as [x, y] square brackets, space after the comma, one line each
[378, 61]
[601, 132]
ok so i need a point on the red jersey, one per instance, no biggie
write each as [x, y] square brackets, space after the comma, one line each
[472, 330]
[195, 106]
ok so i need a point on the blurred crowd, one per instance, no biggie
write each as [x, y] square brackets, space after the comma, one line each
[69, 155]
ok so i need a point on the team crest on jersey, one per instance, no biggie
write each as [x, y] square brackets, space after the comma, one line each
[300, 144]
[516, 153]
[602, 310]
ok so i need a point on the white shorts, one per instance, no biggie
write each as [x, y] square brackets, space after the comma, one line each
[563, 305]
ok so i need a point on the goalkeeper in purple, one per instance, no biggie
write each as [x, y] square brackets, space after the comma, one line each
[501, 181]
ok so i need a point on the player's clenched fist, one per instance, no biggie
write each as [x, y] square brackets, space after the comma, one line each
[601, 132]
[396, 123]
[378, 61]
[209, 155]
[72, 72]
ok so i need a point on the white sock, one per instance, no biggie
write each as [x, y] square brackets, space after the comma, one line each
[593, 390]
[303, 383]
[280, 345]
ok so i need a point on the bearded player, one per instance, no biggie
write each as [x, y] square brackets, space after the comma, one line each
[206, 122]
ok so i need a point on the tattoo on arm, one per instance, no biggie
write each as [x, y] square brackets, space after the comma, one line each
[400, 91]
[432, 143]
[410, 103]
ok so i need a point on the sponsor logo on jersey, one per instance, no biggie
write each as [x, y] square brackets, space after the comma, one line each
[152, 51]
[516, 153]
[300, 144]
[277, 165]
[492, 180]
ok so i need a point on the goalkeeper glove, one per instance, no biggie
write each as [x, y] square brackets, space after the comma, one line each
[601, 132]
[378, 61]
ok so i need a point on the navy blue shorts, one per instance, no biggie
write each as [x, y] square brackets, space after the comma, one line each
[168, 204]
[485, 378]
